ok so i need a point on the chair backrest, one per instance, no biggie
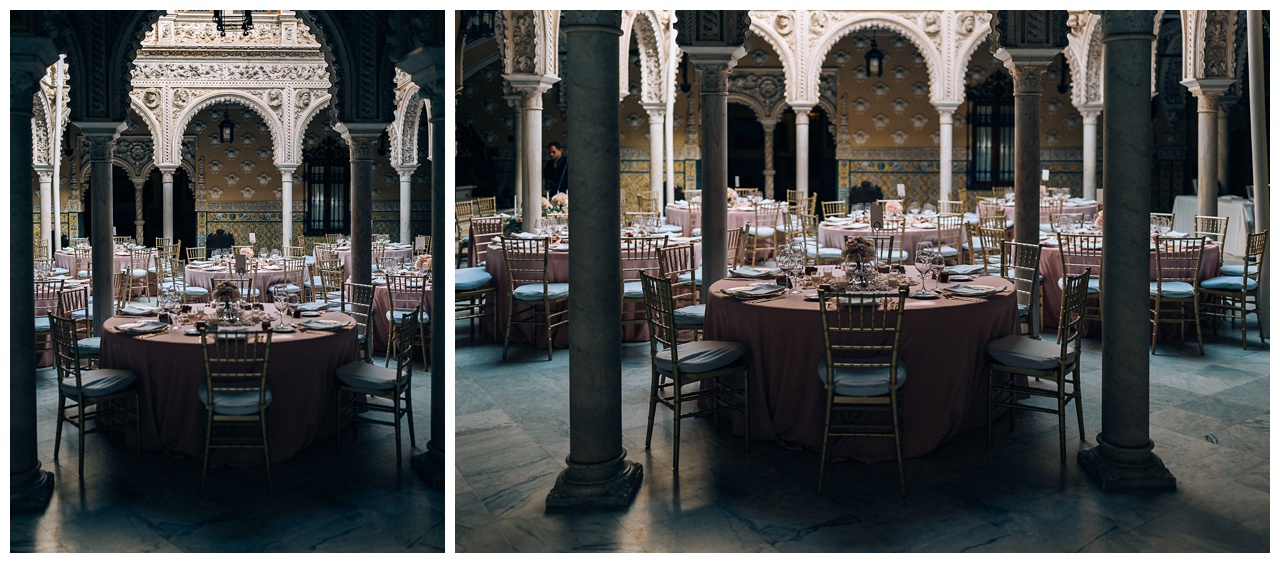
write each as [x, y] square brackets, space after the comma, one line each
[236, 362]
[402, 347]
[734, 246]
[1075, 291]
[483, 229]
[121, 240]
[950, 231]
[41, 249]
[465, 210]
[421, 244]
[122, 283]
[640, 254]
[646, 202]
[636, 218]
[195, 253]
[65, 334]
[991, 252]
[1178, 259]
[293, 270]
[324, 252]
[46, 294]
[72, 301]
[808, 232]
[747, 192]
[990, 209]
[1081, 253]
[1020, 264]
[1255, 248]
[332, 238]
[695, 215]
[813, 204]
[406, 291]
[162, 242]
[883, 243]
[379, 252]
[526, 261]
[360, 296]
[885, 204]
[294, 251]
[835, 208]
[487, 206]
[691, 195]
[140, 258]
[84, 261]
[769, 214]
[1049, 207]
[78, 241]
[951, 206]
[1215, 229]
[993, 221]
[660, 313]
[793, 198]
[1166, 216]
[896, 232]
[861, 329]
[675, 261]
[1060, 222]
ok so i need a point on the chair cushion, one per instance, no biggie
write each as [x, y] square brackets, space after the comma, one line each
[1094, 284]
[288, 288]
[1229, 283]
[363, 375]
[59, 271]
[398, 317]
[697, 232]
[91, 346]
[196, 290]
[138, 273]
[313, 282]
[632, 290]
[42, 324]
[701, 356]
[533, 291]
[977, 244]
[691, 314]
[1174, 289]
[697, 277]
[668, 228]
[1022, 352]
[870, 381]
[823, 253]
[949, 251]
[892, 255]
[470, 279]
[765, 232]
[233, 403]
[82, 274]
[82, 314]
[1046, 227]
[1238, 270]
[99, 382]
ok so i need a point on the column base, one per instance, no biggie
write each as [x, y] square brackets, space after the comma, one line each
[1117, 469]
[612, 484]
[430, 466]
[30, 491]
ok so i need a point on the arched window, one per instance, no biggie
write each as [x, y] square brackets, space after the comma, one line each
[327, 175]
[991, 132]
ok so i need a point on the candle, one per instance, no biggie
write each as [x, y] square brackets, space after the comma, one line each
[902, 190]
[1044, 175]
[252, 238]
[113, 229]
[735, 182]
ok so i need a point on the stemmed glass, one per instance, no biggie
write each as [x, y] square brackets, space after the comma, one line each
[924, 260]
[279, 296]
[914, 209]
[937, 262]
[928, 209]
[790, 261]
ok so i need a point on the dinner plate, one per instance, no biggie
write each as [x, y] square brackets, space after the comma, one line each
[749, 272]
[755, 291]
[283, 329]
[961, 278]
[144, 327]
[559, 247]
[310, 313]
[925, 294]
[972, 290]
[134, 310]
[321, 324]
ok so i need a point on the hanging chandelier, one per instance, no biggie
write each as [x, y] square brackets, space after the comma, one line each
[227, 129]
[875, 59]
[233, 19]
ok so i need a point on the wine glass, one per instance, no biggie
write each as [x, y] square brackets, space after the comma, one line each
[279, 296]
[937, 262]
[924, 259]
[913, 209]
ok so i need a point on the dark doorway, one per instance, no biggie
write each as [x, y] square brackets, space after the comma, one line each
[184, 210]
[122, 209]
[746, 148]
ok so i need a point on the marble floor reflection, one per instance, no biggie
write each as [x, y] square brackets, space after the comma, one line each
[323, 502]
[1210, 421]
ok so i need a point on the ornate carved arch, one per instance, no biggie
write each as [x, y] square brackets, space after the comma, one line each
[1084, 58]
[770, 28]
[650, 32]
[530, 41]
[1208, 43]
[403, 132]
[205, 100]
[913, 31]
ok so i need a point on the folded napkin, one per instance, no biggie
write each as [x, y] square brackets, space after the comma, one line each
[321, 324]
[749, 272]
[315, 306]
[1175, 234]
[143, 327]
[761, 290]
[138, 311]
[964, 269]
[925, 226]
[857, 225]
[972, 290]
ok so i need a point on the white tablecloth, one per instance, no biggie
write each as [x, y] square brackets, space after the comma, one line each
[1238, 210]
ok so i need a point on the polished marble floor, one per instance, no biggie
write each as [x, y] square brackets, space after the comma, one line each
[1210, 421]
[323, 502]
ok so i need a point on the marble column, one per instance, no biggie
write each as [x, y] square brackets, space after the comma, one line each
[1124, 457]
[56, 242]
[1261, 166]
[45, 175]
[362, 139]
[669, 147]
[657, 117]
[946, 111]
[30, 486]
[101, 142]
[770, 125]
[1224, 140]
[1207, 91]
[166, 197]
[431, 464]
[532, 87]
[598, 473]
[1027, 72]
[802, 149]
[406, 202]
[517, 151]
[714, 64]
[138, 184]
[286, 203]
[1090, 164]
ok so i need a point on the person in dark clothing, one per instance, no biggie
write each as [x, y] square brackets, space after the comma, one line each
[865, 193]
[219, 240]
[554, 173]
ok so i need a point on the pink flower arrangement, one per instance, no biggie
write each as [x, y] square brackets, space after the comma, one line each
[1097, 221]
[859, 249]
[733, 194]
[893, 207]
[545, 203]
[560, 200]
[247, 252]
[423, 263]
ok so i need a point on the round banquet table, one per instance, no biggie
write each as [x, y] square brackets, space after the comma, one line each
[832, 236]
[263, 278]
[344, 255]
[1089, 210]
[942, 347]
[118, 261]
[44, 307]
[558, 272]
[170, 370]
[738, 216]
[1051, 271]
[382, 304]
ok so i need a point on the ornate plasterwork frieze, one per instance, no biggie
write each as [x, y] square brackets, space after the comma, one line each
[650, 29]
[529, 40]
[766, 89]
[403, 131]
[197, 28]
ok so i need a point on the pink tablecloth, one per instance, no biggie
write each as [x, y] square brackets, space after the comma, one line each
[1089, 211]
[118, 262]
[1051, 271]
[171, 369]
[680, 216]
[833, 237]
[344, 256]
[262, 279]
[943, 348]
[381, 324]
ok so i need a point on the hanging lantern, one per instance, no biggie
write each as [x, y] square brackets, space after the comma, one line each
[875, 60]
[227, 129]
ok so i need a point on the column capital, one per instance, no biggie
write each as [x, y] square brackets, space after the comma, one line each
[1090, 112]
[287, 168]
[655, 109]
[168, 168]
[405, 171]
[361, 138]
[138, 183]
[946, 108]
[714, 64]
[768, 123]
[531, 84]
[1207, 91]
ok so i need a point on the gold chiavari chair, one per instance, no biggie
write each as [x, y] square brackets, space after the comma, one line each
[639, 256]
[45, 294]
[84, 263]
[645, 202]
[195, 253]
[332, 276]
[358, 380]
[950, 207]
[793, 198]
[813, 248]
[358, 302]
[1049, 208]
[40, 250]
[884, 205]
[763, 229]
[332, 238]
[79, 241]
[93, 393]
[990, 253]
[1215, 229]
[379, 251]
[695, 218]
[676, 263]
[1167, 217]
[139, 262]
[1083, 253]
[421, 245]
[1233, 294]
[1020, 264]
[294, 251]
[483, 230]
[487, 206]
[528, 287]
[736, 239]
[812, 204]
[747, 192]
[1177, 284]
[1054, 363]
[162, 242]
[122, 284]
[408, 294]
[835, 209]
[691, 195]
[243, 284]
[474, 298]
[121, 240]
[74, 304]
[1059, 222]
[294, 277]
[676, 364]
[862, 370]
[950, 236]
[235, 393]
[896, 231]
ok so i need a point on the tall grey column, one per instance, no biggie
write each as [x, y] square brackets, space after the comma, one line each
[166, 197]
[946, 111]
[802, 149]
[1090, 164]
[598, 473]
[406, 180]
[531, 86]
[286, 203]
[138, 184]
[1207, 91]
[657, 117]
[770, 125]
[101, 141]
[432, 463]
[1224, 140]
[30, 487]
[362, 139]
[45, 174]
[1123, 458]
[1028, 42]
[1261, 166]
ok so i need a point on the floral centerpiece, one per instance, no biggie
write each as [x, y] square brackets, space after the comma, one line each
[1097, 221]
[422, 263]
[246, 252]
[861, 252]
[514, 225]
[893, 207]
[733, 194]
[227, 292]
[558, 203]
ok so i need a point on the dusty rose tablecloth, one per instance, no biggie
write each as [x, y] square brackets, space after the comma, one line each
[1089, 211]
[118, 261]
[832, 236]
[1051, 271]
[344, 256]
[943, 348]
[382, 304]
[170, 368]
[680, 216]
[263, 279]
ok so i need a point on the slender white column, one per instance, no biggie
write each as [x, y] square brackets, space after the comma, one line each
[517, 150]
[286, 203]
[946, 111]
[406, 180]
[802, 149]
[46, 180]
[138, 183]
[531, 87]
[1090, 166]
[166, 196]
[669, 146]
[56, 243]
[1207, 91]
[657, 118]
[770, 125]
[58, 131]
[1224, 141]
